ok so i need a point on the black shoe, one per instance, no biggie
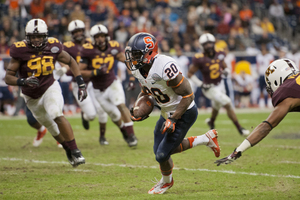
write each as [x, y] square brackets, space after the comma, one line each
[77, 158]
[132, 141]
[210, 125]
[85, 123]
[69, 156]
[103, 141]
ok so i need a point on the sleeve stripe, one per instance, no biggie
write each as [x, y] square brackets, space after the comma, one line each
[178, 83]
[188, 95]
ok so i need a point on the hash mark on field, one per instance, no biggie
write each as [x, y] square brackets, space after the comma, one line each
[155, 167]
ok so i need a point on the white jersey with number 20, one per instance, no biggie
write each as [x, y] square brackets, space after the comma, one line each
[164, 69]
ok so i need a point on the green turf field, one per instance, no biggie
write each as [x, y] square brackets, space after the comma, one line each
[270, 170]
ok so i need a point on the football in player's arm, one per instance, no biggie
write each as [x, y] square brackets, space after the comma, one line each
[282, 79]
[161, 77]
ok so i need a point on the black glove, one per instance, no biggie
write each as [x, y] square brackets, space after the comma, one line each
[168, 126]
[229, 159]
[100, 71]
[133, 118]
[82, 93]
[31, 81]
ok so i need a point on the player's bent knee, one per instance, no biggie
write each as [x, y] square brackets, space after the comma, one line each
[90, 117]
[161, 157]
[115, 116]
[53, 129]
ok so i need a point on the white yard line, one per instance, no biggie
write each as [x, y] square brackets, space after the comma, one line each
[155, 167]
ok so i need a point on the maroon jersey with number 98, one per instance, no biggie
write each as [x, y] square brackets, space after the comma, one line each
[42, 63]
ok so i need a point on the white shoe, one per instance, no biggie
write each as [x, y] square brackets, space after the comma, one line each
[244, 132]
[37, 141]
[161, 187]
[213, 142]
[59, 145]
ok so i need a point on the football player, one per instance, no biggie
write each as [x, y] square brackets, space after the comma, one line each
[161, 77]
[282, 80]
[97, 63]
[34, 59]
[90, 106]
[212, 66]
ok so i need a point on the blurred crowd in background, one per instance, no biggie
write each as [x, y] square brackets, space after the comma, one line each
[252, 32]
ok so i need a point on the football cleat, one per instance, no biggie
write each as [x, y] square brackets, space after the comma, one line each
[77, 158]
[210, 125]
[244, 132]
[132, 141]
[103, 141]
[213, 142]
[39, 138]
[85, 123]
[161, 187]
[59, 145]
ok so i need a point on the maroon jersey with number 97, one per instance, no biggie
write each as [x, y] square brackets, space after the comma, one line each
[42, 63]
[96, 59]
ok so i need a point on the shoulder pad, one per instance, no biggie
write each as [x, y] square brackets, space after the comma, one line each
[88, 46]
[69, 44]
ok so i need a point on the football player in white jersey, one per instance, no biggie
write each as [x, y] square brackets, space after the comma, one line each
[161, 77]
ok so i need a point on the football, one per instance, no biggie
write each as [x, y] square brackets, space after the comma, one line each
[143, 106]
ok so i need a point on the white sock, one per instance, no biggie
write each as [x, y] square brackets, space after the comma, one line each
[128, 124]
[122, 124]
[200, 140]
[42, 128]
[167, 179]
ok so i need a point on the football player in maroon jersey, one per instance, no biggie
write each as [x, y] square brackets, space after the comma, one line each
[34, 59]
[90, 106]
[282, 80]
[97, 63]
[211, 64]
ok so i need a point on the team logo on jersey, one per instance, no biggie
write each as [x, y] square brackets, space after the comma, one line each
[221, 57]
[155, 77]
[114, 52]
[54, 49]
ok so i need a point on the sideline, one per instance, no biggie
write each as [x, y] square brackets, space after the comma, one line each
[156, 167]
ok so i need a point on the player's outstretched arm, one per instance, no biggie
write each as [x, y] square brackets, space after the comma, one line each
[262, 130]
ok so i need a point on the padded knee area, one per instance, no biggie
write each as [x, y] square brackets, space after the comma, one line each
[161, 157]
[53, 129]
[89, 117]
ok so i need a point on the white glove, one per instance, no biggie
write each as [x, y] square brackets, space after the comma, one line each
[226, 72]
[61, 71]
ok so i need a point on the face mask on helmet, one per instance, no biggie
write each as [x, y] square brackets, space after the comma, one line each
[277, 72]
[141, 50]
[209, 48]
[77, 29]
[99, 30]
[36, 32]
[207, 42]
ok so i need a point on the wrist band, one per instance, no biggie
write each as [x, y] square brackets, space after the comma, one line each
[21, 82]
[268, 123]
